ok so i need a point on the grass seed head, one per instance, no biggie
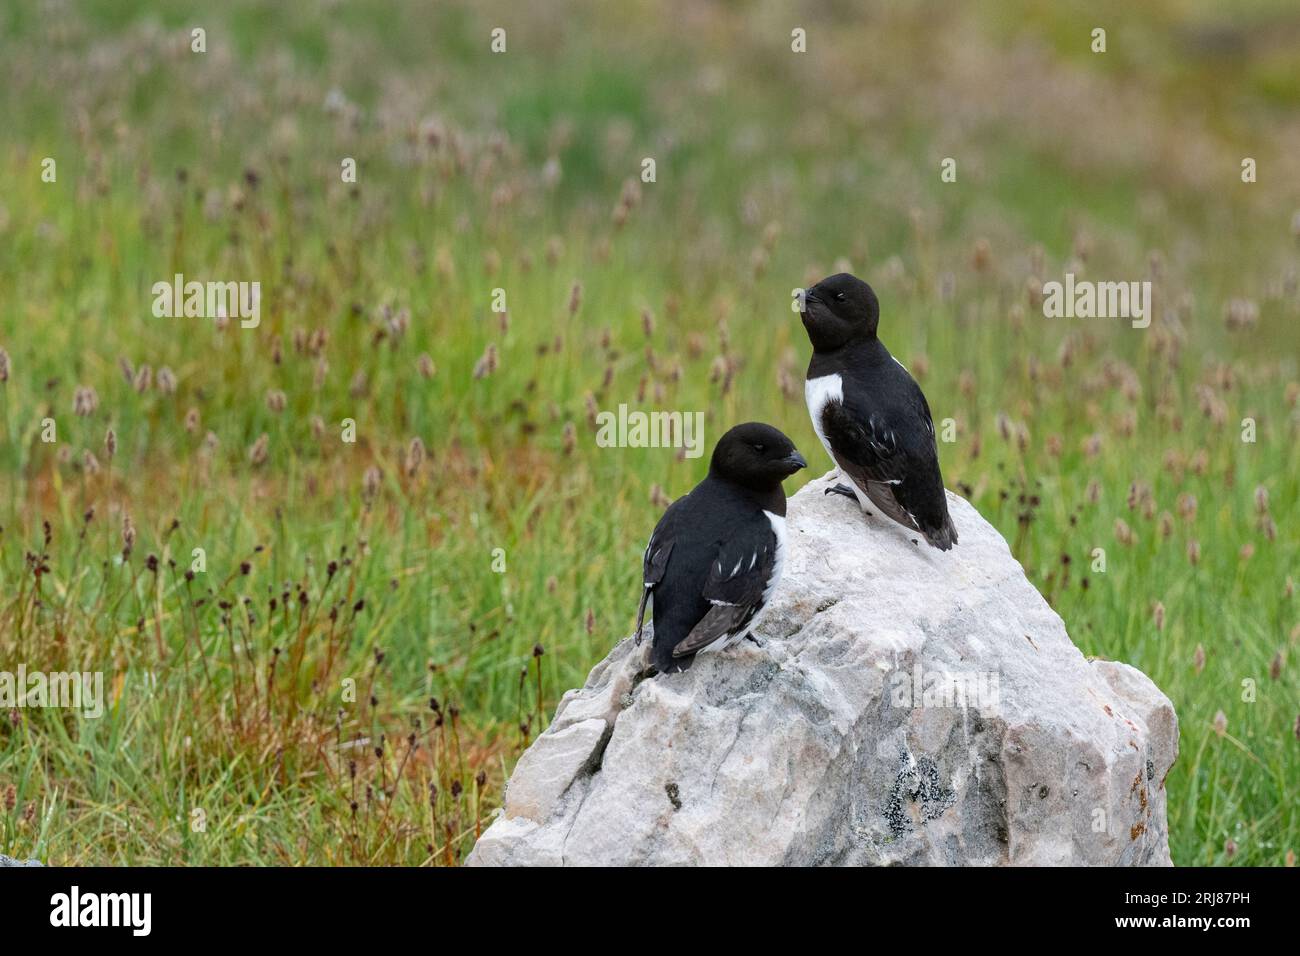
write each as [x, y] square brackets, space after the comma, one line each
[259, 451]
[84, 401]
[1123, 533]
[415, 455]
[487, 363]
[370, 483]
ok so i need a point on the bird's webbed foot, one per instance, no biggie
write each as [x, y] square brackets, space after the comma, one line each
[841, 489]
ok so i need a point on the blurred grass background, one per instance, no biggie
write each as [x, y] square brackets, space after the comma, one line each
[521, 171]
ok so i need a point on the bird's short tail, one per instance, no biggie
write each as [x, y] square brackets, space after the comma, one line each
[943, 537]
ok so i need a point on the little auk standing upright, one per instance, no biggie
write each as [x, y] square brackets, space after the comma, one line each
[870, 413]
[715, 557]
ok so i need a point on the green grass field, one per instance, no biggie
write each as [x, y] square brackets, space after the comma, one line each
[351, 678]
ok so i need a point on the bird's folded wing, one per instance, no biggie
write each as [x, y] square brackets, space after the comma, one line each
[737, 580]
[660, 547]
[656, 557]
[925, 414]
[653, 565]
[868, 450]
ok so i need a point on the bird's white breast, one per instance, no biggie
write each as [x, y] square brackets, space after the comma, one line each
[778, 561]
[817, 392]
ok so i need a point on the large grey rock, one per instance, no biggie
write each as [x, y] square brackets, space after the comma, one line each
[907, 706]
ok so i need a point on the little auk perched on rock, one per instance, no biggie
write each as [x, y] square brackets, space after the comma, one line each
[870, 413]
[715, 557]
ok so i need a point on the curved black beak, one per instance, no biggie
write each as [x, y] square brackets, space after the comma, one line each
[795, 461]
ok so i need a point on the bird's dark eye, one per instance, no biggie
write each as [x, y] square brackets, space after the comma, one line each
[759, 449]
[839, 296]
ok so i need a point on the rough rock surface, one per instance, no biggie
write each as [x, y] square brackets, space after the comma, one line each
[906, 706]
[10, 861]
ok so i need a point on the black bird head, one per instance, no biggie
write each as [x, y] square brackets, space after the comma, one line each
[839, 310]
[755, 455]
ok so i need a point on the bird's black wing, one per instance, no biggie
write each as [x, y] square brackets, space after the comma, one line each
[923, 494]
[735, 587]
[867, 451]
[918, 396]
[893, 461]
[655, 560]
